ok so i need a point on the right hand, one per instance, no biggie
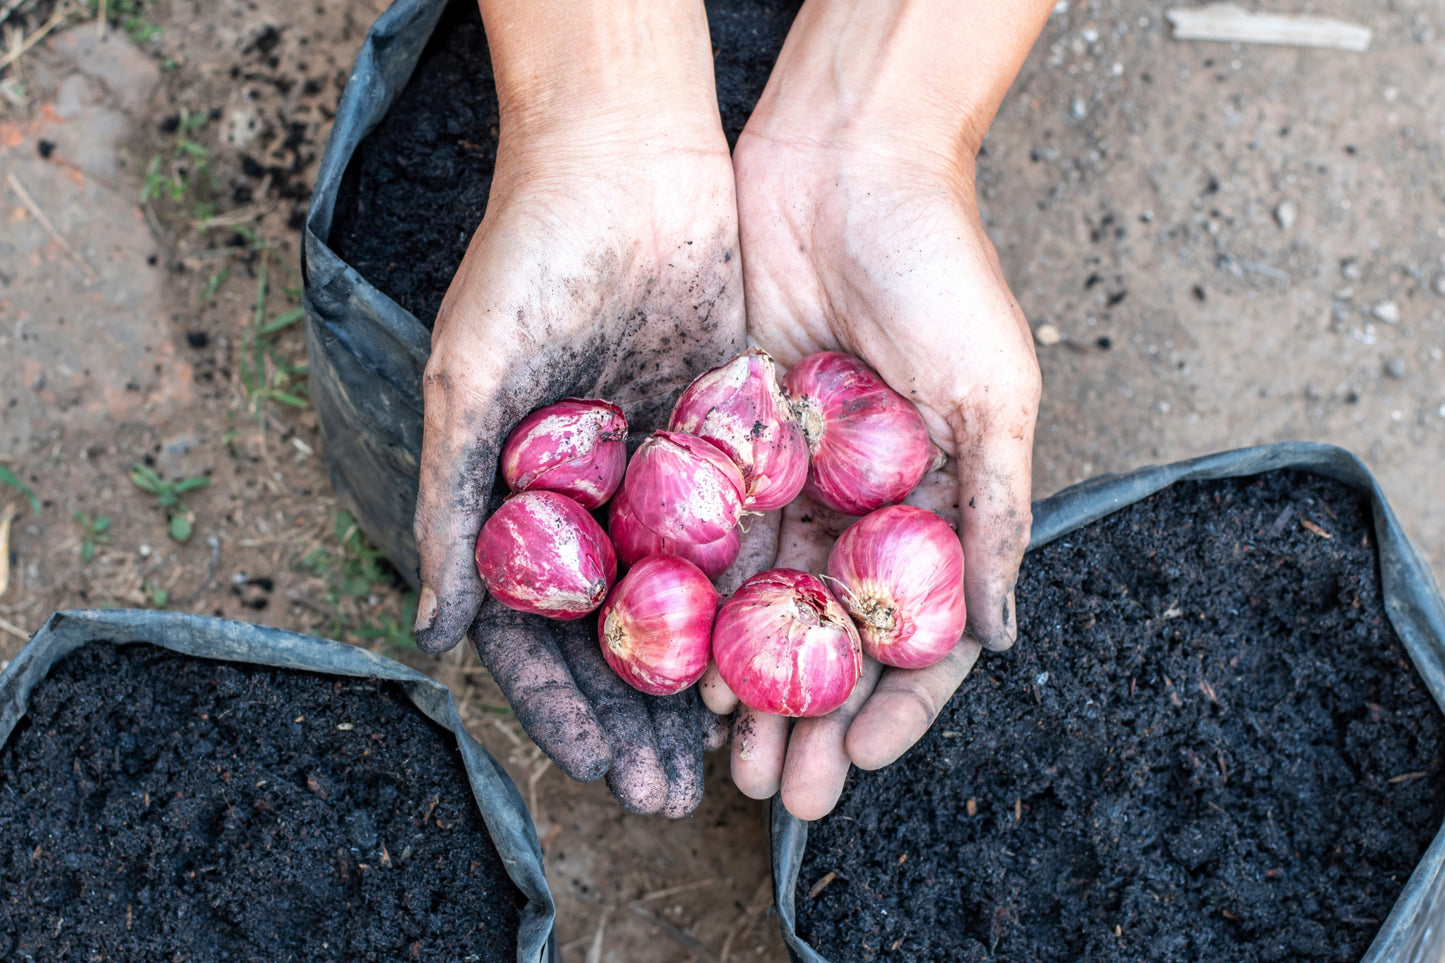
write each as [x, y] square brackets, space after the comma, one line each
[606, 267]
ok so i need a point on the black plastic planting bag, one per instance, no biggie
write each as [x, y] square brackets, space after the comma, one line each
[501, 806]
[367, 352]
[1414, 932]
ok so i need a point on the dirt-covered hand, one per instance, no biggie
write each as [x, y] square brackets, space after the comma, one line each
[606, 267]
[886, 258]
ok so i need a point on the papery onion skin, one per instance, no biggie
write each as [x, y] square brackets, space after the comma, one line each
[656, 626]
[635, 541]
[684, 488]
[785, 645]
[869, 444]
[576, 446]
[899, 572]
[541, 552]
[740, 409]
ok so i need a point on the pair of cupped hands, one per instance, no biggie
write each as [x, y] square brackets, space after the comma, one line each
[623, 252]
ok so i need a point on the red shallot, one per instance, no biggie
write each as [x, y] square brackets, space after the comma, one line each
[684, 488]
[635, 541]
[785, 646]
[656, 626]
[740, 409]
[869, 444]
[576, 447]
[541, 552]
[899, 572]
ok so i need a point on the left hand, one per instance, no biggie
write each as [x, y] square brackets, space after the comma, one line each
[881, 253]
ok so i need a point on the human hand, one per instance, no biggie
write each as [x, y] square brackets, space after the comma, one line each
[605, 267]
[860, 233]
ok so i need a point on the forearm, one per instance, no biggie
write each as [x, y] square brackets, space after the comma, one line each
[634, 66]
[904, 75]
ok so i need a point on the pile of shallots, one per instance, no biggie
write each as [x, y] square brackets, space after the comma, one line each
[737, 443]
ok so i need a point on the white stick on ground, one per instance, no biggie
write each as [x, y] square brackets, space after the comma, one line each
[1230, 24]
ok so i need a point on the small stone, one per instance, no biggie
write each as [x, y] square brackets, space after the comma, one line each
[1046, 335]
[1350, 269]
[1439, 285]
[1387, 311]
[1286, 213]
[1395, 368]
[1078, 109]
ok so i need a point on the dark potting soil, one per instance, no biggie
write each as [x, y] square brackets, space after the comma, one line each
[417, 186]
[1208, 744]
[160, 807]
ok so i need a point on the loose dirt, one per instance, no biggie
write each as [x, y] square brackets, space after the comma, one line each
[1207, 744]
[154, 803]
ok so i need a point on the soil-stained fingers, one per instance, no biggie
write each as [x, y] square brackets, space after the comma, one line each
[522, 655]
[903, 705]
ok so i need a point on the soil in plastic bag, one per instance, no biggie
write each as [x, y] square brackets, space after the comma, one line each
[1208, 744]
[417, 187]
[156, 806]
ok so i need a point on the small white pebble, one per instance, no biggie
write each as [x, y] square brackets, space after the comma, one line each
[1090, 34]
[1041, 679]
[1440, 285]
[144, 550]
[1047, 335]
[1286, 213]
[1387, 311]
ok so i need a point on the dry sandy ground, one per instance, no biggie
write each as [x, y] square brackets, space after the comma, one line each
[1218, 246]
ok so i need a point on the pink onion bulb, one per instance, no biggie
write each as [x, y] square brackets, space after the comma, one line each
[740, 409]
[635, 541]
[656, 626]
[869, 444]
[784, 645]
[900, 575]
[684, 488]
[542, 553]
[576, 447]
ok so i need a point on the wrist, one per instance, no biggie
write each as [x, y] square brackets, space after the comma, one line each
[603, 74]
[914, 81]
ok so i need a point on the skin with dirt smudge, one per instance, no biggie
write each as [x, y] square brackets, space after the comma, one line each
[606, 267]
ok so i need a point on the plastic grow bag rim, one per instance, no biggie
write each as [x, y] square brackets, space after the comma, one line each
[329, 284]
[1413, 605]
[500, 804]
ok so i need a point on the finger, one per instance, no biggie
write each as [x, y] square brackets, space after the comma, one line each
[716, 694]
[995, 468]
[759, 743]
[457, 475]
[637, 778]
[520, 652]
[903, 705]
[817, 763]
[715, 730]
[678, 722]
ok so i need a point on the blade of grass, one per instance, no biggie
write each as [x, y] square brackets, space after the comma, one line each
[7, 477]
[281, 323]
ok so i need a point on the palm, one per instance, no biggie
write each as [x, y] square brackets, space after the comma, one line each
[585, 279]
[893, 266]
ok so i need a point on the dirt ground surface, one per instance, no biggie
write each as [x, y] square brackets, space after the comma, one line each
[1218, 245]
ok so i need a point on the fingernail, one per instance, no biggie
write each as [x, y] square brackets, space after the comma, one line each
[1010, 616]
[426, 610]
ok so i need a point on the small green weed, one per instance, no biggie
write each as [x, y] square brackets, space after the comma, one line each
[94, 531]
[353, 569]
[186, 166]
[181, 523]
[266, 374]
[158, 596]
[8, 477]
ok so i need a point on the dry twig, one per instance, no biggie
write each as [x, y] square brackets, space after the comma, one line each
[55, 235]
